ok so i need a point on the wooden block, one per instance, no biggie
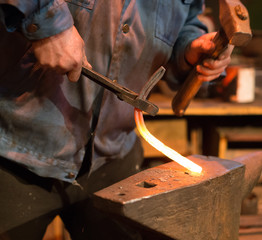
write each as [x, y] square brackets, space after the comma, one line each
[56, 230]
[250, 227]
[222, 136]
[243, 134]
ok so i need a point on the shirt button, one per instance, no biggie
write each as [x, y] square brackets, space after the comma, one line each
[125, 28]
[32, 28]
[70, 175]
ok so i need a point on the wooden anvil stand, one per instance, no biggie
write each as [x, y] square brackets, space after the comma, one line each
[175, 204]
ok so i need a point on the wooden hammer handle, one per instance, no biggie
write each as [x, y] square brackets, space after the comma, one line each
[192, 83]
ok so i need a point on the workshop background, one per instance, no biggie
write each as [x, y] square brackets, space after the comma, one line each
[223, 120]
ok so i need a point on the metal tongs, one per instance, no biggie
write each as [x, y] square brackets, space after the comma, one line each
[125, 94]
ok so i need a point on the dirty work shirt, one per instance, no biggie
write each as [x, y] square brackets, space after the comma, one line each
[45, 120]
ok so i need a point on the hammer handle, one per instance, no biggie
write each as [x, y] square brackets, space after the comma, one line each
[192, 83]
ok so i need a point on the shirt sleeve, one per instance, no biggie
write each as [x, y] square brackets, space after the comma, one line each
[37, 19]
[178, 67]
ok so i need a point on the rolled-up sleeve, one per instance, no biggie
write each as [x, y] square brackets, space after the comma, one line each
[40, 19]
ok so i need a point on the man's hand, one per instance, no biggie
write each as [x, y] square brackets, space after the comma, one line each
[63, 52]
[210, 69]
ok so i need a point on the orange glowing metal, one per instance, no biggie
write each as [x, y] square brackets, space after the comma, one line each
[169, 152]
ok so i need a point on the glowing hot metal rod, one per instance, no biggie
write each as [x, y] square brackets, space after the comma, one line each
[141, 127]
[139, 101]
[169, 152]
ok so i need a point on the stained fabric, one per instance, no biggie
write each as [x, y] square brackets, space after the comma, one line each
[45, 120]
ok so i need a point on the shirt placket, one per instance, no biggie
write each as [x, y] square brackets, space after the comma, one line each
[123, 28]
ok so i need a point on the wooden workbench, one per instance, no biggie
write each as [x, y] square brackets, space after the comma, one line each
[210, 106]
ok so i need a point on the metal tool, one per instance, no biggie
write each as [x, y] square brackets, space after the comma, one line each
[235, 30]
[126, 94]
[178, 205]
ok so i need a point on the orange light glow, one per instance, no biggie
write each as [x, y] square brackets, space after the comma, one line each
[169, 152]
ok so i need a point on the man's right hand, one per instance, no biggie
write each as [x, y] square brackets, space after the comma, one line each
[210, 69]
[64, 53]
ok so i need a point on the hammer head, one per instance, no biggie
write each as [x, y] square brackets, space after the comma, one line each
[234, 19]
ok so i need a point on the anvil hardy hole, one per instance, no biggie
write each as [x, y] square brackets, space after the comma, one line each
[121, 194]
[145, 184]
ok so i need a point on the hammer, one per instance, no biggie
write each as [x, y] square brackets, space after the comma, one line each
[235, 30]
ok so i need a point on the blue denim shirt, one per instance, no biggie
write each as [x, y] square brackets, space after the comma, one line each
[45, 120]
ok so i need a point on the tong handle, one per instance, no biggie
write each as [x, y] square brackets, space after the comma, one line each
[121, 92]
[109, 84]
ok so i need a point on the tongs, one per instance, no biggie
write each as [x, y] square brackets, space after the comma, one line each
[125, 94]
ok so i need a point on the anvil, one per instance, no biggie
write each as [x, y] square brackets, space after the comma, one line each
[177, 204]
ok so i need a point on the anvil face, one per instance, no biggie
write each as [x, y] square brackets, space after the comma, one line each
[178, 204]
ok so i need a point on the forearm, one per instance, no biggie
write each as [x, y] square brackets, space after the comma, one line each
[49, 24]
[187, 35]
[36, 19]
[178, 67]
